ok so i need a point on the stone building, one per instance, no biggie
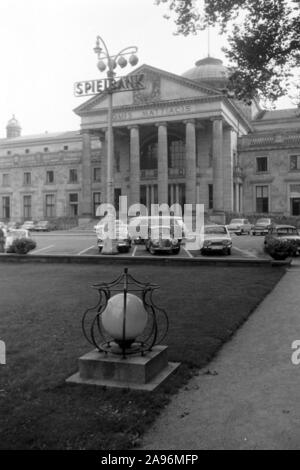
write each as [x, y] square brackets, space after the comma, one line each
[182, 139]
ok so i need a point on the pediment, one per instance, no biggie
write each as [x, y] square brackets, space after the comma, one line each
[160, 86]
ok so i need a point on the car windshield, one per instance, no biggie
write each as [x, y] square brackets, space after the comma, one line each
[263, 221]
[287, 231]
[160, 231]
[218, 230]
[236, 221]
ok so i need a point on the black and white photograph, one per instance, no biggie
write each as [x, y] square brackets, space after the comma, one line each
[149, 228]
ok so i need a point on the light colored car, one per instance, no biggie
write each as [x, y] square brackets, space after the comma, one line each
[14, 234]
[139, 227]
[120, 234]
[261, 227]
[240, 226]
[215, 238]
[28, 225]
[161, 239]
[42, 226]
[283, 232]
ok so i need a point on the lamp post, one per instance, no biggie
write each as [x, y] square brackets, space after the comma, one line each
[111, 62]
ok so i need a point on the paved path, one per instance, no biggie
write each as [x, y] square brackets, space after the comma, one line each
[251, 399]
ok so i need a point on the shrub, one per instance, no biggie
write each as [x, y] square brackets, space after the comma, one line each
[281, 249]
[22, 246]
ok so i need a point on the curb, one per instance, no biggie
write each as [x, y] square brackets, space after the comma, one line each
[161, 261]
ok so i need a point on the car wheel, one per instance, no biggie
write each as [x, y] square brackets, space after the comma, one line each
[151, 250]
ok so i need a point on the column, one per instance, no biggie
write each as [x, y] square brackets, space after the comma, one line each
[162, 163]
[237, 197]
[152, 194]
[217, 149]
[148, 196]
[228, 167]
[86, 195]
[172, 187]
[241, 198]
[190, 166]
[177, 194]
[134, 165]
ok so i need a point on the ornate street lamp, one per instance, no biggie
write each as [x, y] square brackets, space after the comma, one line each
[126, 320]
[109, 62]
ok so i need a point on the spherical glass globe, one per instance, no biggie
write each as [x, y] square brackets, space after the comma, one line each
[113, 317]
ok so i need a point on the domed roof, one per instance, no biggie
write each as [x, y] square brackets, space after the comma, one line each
[13, 122]
[209, 70]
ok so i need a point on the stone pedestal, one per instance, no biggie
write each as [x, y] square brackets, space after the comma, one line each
[135, 372]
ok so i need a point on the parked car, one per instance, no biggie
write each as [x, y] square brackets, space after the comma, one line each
[13, 225]
[161, 239]
[28, 225]
[139, 227]
[283, 233]
[42, 226]
[14, 234]
[215, 238]
[121, 235]
[240, 226]
[261, 227]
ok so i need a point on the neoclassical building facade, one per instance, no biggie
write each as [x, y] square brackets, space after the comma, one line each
[182, 139]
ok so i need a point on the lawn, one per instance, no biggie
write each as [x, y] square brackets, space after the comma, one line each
[41, 309]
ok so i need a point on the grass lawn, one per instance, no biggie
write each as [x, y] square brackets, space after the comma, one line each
[40, 314]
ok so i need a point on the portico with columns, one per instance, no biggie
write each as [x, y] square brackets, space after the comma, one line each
[174, 142]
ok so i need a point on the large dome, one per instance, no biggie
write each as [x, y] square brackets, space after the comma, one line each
[210, 71]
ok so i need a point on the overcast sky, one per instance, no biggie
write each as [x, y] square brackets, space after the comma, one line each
[47, 45]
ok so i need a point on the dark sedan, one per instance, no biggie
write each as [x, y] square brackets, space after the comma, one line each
[161, 240]
[285, 233]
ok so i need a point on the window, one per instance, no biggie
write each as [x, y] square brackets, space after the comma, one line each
[149, 156]
[210, 196]
[96, 202]
[97, 175]
[50, 206]
[50, 177]
[262, 199]
[262, 164]
[5, 179]
[6, 207]
[73, 176]
[66, 147]
[177, 154]
[27, 207]
[27, 178]
[46, 149]
[8, 152]
[295, 162]
[73, 204]
[27, 151]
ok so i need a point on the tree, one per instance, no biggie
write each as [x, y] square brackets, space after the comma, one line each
[263, 38]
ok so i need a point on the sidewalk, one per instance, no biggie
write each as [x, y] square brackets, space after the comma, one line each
[251, 399]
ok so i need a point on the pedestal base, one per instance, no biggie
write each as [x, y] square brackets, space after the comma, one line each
[109, 247]
[136, 372]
